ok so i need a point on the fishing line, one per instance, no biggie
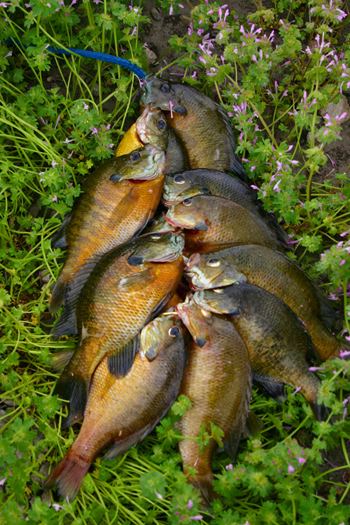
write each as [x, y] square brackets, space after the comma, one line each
[104, 57]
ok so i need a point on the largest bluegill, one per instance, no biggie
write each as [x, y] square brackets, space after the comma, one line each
[109, 213]
[123, 411]
[130, 285]
[279, 346]
[203, 125]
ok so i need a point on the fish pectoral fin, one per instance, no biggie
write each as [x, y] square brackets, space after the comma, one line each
[275, 390]
[122, 209]
[201, 226]
[253, 425]
[60, 360]
[137, 281]
[120, 363]
[123, 445]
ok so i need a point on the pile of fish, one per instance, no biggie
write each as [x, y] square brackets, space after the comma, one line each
[204, 303]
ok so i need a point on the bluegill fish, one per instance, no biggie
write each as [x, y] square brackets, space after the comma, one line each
[181, 186]
[130, 285]
[152, 128]
[202, 125]
[108, 213]
[217, 223]
[279, 275]
[123, 411]
[218, 382]
[279, 346]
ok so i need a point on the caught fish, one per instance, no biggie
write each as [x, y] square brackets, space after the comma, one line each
[131, 284]
[279, 346]
[279, 275]
[218, 382]
[159, 225]
[123, 411]
[202, 125]
[108, 213]
[181, 186]
[218, 223]
[152, 128]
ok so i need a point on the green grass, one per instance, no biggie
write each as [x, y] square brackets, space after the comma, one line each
[47, 148]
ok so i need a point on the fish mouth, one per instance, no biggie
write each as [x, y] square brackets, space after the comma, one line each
[172, 222]
[168, 204]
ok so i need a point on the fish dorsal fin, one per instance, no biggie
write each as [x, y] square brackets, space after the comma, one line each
[137, 281]
[67, 323]
[124, 444]
[120, 363]
[60, 360]
[59, 238]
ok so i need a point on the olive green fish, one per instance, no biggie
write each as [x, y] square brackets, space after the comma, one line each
[217, 223]
[218, 382]
[279, 275]
[279, 346]
[181, 186]
[123, 411]
[128, 288]
[202, 125]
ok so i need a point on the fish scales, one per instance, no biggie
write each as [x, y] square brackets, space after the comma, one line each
[279, 346]
[123, 411]
[218, 382]
[113, 307]
[202, 125]
[221, 223]
[279, 275]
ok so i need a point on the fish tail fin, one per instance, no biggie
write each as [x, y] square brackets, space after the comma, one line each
[60, 360]
[205, 484]
[74, 388]
[57, 294]
[253, 425]
[320, 412]
[68, 476]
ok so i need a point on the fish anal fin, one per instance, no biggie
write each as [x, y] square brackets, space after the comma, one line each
[320, 412]
[231, 443]
[75, 388]
[60, 360]
[120, 363]
[123, 445]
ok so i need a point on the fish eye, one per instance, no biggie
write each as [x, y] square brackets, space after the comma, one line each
[161, 125]
[165, 88]
[179, 180]
[156, 236]
[135, 155]
[174, 331]
[214, 263]
[218, 290]
[187, 202]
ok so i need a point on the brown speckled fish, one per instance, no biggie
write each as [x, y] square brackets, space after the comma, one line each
[109, 213]
[202, 125]
[130, 285]
[123, 411]
[279, 275]
[279, 346]
[218, 382]
[218, 223]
